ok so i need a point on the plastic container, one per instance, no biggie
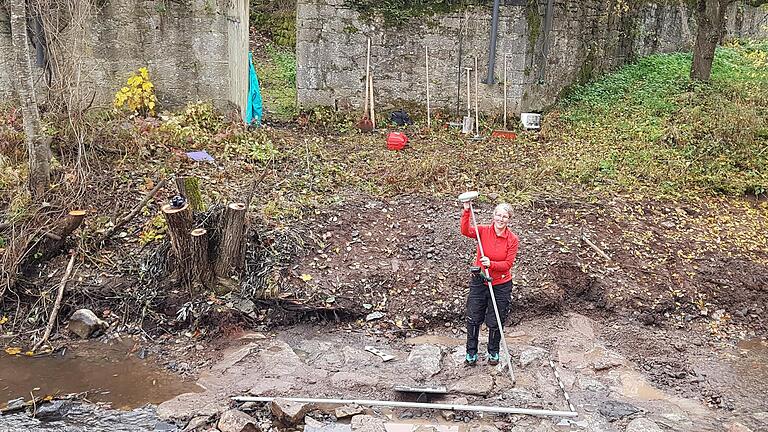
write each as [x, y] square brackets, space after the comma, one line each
[396, 140]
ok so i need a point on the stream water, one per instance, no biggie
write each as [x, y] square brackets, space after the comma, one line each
[111, 375]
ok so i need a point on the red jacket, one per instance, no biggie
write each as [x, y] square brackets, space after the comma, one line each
[501, 249]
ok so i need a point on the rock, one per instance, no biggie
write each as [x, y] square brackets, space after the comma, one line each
[426, 358]
[316, 426]
[643, 425]
[606, 362]
[366, 423]
[590, 384]
[615, 410]
[761, 416]
[483, 428]
[523, 398]
[237, 421]
[54, 411]
[448, 415]
[349, 380]
[479, 385]
[196, 424]
[531, 354]
[287, 412]
[347, 411]
[736, 427]
[14, 404]
[84, 323]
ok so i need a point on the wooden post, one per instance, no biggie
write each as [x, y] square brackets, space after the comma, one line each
[179, 225]
[231, 250]
[201, 266]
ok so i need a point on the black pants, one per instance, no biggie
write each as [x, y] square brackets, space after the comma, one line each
[480, 308]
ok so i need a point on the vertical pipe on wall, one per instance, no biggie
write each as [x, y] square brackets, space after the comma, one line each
[492, 48]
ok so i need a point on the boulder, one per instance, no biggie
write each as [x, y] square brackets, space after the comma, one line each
[615, 410]
[54, 411]
[426, 358]
[84, 323]
[479, 385]
[237, 421]
[287, 412]
[643, 425]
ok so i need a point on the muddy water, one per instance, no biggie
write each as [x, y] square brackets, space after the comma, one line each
[108, 373]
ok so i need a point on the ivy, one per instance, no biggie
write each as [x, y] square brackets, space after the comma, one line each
[398, 13]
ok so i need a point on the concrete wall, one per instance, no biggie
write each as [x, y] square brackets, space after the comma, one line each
[549, 46]
[184, 45]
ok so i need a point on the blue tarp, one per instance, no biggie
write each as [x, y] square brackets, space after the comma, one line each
[253, 112]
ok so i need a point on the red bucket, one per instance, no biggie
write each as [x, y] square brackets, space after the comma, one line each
[396, 140]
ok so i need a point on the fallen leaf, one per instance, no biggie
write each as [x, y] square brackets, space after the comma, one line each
[305, 277]
[12, 350]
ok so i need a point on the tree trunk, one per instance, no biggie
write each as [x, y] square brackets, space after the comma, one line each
[710, 19]
[201, 267]
[231, 249]
[179, 227]
[189, 188]
[38, 146]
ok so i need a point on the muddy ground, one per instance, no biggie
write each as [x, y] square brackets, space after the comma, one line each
[668, 326]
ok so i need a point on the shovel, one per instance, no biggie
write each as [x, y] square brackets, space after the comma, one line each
[468, 122]
[365, 124]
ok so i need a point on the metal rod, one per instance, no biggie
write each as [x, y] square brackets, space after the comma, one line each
[477, 86]
[397, 404]
[429, 116]
[493, 298]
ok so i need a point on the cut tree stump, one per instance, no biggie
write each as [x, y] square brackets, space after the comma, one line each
[231, 249]
[179, 226]
[53, 240]
[189, 188]
[201, 266]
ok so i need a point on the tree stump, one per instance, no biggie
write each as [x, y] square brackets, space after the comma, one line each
[179, 226]
[189, 188]
[231, 249]
[53, 240]
[201, 266]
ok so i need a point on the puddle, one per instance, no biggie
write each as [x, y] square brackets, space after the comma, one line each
[634, 386]
[435, 340]
[109, 373]
[512, 338]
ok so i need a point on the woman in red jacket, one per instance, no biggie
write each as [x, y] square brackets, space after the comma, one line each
[500, 247]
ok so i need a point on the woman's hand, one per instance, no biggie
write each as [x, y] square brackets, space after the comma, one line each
[466, 205]
[485, 261]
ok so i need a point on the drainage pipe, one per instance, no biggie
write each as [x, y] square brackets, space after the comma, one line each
[492, 49]
[397, 404]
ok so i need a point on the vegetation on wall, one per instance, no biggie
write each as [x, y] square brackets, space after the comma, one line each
[398, 13]
[276, 20]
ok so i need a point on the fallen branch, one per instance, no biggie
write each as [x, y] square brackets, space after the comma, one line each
[595, 248]
[127, 218]
[56, 304]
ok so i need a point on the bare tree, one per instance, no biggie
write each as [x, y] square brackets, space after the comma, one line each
[710, 20]
[38, 145]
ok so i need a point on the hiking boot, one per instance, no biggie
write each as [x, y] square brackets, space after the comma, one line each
[493, 359]
[470, 359]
